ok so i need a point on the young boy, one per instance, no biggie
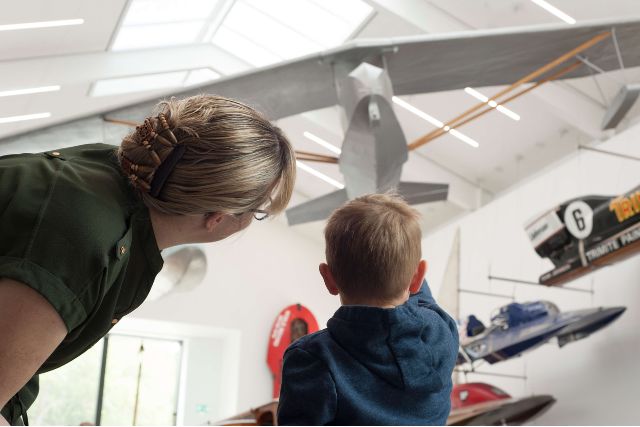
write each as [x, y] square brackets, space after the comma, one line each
[387, 354]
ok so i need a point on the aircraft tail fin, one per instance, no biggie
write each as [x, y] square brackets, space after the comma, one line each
[422, 192]
[316, 209]
[321, 208]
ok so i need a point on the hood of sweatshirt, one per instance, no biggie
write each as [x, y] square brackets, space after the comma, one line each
[404, 346]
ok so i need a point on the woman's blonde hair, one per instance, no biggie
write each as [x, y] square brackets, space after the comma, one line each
[214, 154]
[373, 247]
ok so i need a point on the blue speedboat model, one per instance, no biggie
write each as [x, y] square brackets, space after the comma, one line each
[516, 328]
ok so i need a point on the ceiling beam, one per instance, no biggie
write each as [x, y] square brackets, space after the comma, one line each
[89, 67]
[572, 106]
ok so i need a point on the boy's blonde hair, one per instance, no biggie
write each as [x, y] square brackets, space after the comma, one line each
[373, 247]
[234, 160]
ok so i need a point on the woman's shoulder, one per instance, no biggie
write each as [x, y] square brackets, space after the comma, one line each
[64, 219]
[74, 197]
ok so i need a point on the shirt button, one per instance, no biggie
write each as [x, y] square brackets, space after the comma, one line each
[114, 321]
[55, 153]
[123, 250]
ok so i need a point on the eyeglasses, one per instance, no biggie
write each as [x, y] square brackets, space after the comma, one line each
[259, 214]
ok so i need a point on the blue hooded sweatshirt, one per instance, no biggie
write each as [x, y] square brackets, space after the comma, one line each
[373, 366]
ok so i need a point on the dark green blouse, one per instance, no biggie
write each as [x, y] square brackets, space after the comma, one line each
[72, 228]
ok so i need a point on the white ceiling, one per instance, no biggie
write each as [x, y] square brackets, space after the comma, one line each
[554, 119]
[101, 18]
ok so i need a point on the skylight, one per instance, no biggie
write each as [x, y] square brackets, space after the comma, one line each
[244, 48]
[149, 82]
[155, 23]
[311, 19]
[262, 32]
[257, 31]
[157, 35]
[163, 11]
[353, 12]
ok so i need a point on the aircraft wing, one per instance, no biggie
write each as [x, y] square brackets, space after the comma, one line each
[429, 63]
[317, 209]
[418, 64]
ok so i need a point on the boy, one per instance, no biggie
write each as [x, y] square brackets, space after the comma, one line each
[387, 354]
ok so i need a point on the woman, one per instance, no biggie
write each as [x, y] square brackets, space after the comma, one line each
[81, 229]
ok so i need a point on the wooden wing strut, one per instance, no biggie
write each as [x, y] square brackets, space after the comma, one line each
[459, 120]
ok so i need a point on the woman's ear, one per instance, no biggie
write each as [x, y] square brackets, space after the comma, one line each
[211, 220]
[418, 277]
[329, 281]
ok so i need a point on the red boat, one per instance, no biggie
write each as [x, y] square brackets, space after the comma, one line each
[484, 404]
[471, 404]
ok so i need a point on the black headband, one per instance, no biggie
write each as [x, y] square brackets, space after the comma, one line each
[165, 169]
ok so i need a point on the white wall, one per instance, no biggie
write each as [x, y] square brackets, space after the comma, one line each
[250, 279]
[594, 380]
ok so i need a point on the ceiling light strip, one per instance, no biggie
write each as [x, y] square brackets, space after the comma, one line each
[319, 174]
[23, 118]
[41, 24]
[476, 94]
[464, 138]
[555, 11]
[504, 110]
[322, 142]
[417, 112]
[29, 91]
[437, 123]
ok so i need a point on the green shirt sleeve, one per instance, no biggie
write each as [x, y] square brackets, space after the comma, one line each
[51, 287]
[54, 234]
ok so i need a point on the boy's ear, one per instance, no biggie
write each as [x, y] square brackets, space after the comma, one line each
[418, 277]
[329, 281]
[212, 220]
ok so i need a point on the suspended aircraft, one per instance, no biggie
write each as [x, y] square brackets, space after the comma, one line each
[363, 76]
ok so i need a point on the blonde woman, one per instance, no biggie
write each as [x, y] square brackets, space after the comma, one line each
[81, 229]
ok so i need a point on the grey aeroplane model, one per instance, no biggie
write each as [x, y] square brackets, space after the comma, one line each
[363, 75]
[373, 151]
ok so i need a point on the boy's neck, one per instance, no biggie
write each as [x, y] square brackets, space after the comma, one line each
[375, 303]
